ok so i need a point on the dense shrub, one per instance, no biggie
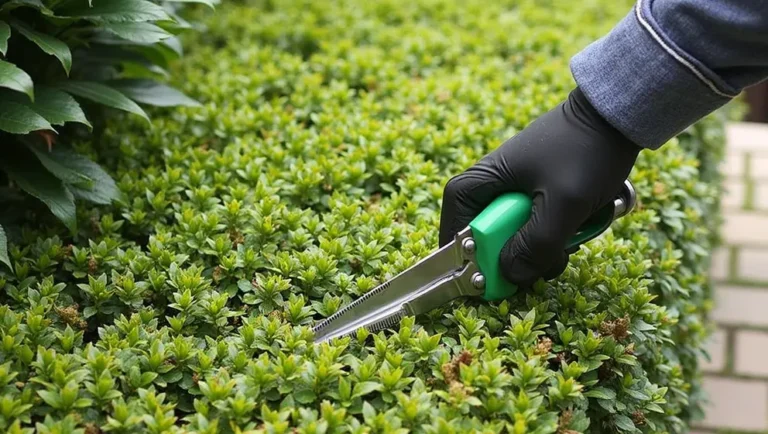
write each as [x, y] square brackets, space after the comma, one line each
[62, 63]
[315, 170]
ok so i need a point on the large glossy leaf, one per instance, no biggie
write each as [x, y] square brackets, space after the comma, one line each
[115, 11]
[34, 4]
[59, 167]
[153, 93]
[209, 3]
[56, 106]
[160, 54]
[4, 249]
[147, 33]
[103, 189]
[103, 94]
[30, 175]
[12, 77]
[47, 43]
[5, 33]
[19, 119]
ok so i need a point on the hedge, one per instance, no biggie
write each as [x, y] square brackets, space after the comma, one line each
[315, 170]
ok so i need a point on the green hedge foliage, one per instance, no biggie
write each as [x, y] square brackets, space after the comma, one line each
[63, 64]
[315, 170]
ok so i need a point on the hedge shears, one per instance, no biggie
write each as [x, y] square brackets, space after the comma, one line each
[467, 266]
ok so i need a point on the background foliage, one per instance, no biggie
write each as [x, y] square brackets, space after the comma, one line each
[314, 170]
[62, 64]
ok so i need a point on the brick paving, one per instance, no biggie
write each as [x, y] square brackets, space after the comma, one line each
[736, 376]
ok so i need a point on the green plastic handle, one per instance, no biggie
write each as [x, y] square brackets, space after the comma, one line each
[501, 220]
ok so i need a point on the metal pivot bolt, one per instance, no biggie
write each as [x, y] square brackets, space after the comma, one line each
[469, 246]
[478, 281]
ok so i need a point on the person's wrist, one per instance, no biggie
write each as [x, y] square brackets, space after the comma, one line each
[587, 114]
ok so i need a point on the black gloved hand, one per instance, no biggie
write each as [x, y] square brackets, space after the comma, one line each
[570, 161]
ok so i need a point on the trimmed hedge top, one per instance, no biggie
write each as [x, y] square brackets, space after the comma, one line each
[313, 172]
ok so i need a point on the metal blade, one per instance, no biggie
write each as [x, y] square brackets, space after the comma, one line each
[387, 300]
[440, 291]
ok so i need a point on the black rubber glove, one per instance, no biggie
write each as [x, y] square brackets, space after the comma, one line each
[570, 161]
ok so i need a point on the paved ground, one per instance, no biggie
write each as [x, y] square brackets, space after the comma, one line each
[737, 375]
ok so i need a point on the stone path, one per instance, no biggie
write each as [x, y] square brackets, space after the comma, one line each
[737, 374]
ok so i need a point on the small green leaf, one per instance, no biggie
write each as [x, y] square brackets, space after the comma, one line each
[13, 78]
[5, 33]
[115, 11]
[29, 174]
[145, 33]
[153, 93]
[366, 387]
[103, 94]
[47, 43]
[4, 249]
[18, 119]
[51, 398]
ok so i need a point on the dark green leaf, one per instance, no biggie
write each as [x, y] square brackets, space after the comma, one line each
[600, 393]
[55, 106]
[47, 43]
[210, 3]
[175, 45]
[103, 189]
[624, 422]
[29, 174]
[16, 79]
[5, 33]
[116, 11]
[19, 119]
[146, 33]
[103, 94]
[89, 312]
[305, 396]
[35, 4]
[59, 167]
[4, 249]
[153, 93]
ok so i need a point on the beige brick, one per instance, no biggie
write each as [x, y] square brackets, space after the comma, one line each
[745, 228]
[761, 195]
[751, 354]
[736, 404]
[753, 264]
[733, 196]
[719, 267]
[740, 306]
[759, 166]
[733, 165]
[750, 136]
[716, 347]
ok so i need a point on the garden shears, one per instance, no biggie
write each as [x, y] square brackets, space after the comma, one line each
[467, 266]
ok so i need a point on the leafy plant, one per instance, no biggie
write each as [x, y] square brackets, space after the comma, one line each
[313, 171]
[63, 59]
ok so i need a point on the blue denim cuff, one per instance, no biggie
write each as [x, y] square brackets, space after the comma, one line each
[644, 84]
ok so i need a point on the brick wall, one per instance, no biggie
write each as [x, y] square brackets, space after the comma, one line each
[737, 374]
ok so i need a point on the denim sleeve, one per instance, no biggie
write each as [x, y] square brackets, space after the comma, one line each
[668, 63]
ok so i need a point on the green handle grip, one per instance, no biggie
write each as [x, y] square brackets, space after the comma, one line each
[501, 220]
